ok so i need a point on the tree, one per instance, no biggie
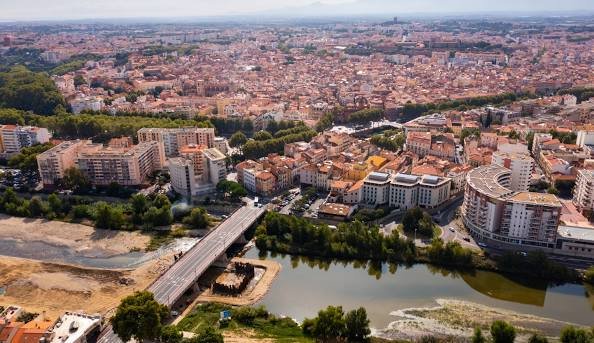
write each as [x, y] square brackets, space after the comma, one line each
[139, 204]
[478, 337]
[417, 221]
[357, 325]
[197, 219]
[237, 139]
[231, 188]
[262, 135]
[55, 203]
[538, 339]
[571, 334]
[502, 332]
[589, 275]
[170, 334]
[36, 207]
[75, 180]
[139, 316]
[329, 324]
[107, 217]
[208, 335]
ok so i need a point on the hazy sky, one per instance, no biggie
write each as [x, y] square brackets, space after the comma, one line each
[77, 9]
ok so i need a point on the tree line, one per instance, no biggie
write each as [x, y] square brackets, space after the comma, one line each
[138, 212]
[392, 140]
[253, 149]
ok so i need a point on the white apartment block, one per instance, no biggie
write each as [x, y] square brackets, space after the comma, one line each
[183, 177]
[14, 137]
[376, 189]
[216, 164]
[427, 191]
[90, 103]
[521, 167]
[584, 138]
[493, 211]
[173, 139]
[583, 192]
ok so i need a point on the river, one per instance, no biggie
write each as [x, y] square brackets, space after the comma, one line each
[304, 286]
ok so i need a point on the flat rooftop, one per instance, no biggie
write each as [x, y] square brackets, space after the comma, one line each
[484, 179]
[576, 233]
[72, 326]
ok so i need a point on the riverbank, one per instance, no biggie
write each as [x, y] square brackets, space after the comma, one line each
[82, 239]
[54, 288]
[456, 318]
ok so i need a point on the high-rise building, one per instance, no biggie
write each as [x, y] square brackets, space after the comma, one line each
[493, 211]
[53, 162]
[173, 139]
[197, 171]
[521, 167]
[217, 165]
[583, 192]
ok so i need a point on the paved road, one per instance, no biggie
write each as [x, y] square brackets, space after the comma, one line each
[177, 279]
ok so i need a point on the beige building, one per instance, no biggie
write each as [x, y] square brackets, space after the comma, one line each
[53, 162]
[173, 139]
[102, 165]
[583, 192]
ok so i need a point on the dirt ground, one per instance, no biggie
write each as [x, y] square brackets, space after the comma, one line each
[55, 288]
[83, 239]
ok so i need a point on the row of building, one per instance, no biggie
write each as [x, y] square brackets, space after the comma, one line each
[71, 327]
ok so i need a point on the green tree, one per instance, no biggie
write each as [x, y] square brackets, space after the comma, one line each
[589, 275]
[197, 219]
[262, 135]
[329, 324]
[108, 217]
[537, 339]
[478, 337]
[502, 332]
[208, 335]
[139, 316]
[571, 334]
[75, 180]
[36, 207]
[357, 325]
[170, 334]
[237, 139]
[139, 203]
[55, 203]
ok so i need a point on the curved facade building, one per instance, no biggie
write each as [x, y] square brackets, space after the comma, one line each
[492, 211]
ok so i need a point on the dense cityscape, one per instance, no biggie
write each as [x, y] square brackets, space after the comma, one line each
[382, 178]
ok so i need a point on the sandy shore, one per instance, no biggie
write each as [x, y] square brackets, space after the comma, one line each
[84, 240]
[459, 318]
[55, 288]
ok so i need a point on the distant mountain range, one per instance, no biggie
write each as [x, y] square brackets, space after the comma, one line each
[395, 7]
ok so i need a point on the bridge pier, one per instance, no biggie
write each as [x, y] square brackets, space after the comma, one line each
[222, 261]
[241, 240]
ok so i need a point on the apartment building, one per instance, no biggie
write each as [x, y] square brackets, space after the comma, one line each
[53, 162]
[102, 165]
[427, 191]
[521, 167]
[493, 211]
[216, 165]
[197, 171]
[14, 137]
[183, 176]
[127, 167]
[583, 191]
[441, 145]
[173, 139]
[585, 138]
[376, 189]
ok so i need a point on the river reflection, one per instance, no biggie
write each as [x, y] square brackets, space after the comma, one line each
[306, 285]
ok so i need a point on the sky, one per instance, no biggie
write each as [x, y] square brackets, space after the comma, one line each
[89, 9]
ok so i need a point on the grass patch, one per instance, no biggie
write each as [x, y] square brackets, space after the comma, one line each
[263, 324]
[160, 238]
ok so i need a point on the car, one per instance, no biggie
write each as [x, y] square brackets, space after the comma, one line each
[452, 229]
[466, 239]
[482, 245]
[174, 313]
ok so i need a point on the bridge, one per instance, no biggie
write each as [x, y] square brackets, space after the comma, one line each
[172, 284]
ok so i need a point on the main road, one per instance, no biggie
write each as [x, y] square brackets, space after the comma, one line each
[169, 287]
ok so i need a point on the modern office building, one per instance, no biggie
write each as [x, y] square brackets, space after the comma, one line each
[493, 211]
